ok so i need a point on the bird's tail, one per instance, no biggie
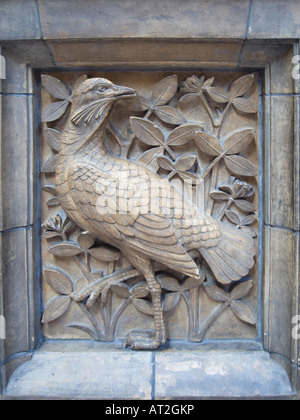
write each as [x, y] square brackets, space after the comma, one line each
[232, 258]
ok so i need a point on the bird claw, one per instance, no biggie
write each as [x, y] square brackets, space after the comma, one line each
[142, 340]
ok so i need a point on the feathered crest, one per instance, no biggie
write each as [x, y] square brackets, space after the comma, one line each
[93, 110]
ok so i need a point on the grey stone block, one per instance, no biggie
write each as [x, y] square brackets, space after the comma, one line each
[19, 20]
[280, 279]
[89, 375]
[15, 305]
[14, 149]
[144, 53]
[217, 374]
[274, 19]
[281, 194]
[133, 18]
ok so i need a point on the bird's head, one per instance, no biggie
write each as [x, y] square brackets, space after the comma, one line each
[93, 99]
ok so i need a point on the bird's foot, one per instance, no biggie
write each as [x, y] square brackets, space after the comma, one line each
[143, 340]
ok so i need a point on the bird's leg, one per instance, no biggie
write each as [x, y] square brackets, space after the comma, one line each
[146, 341]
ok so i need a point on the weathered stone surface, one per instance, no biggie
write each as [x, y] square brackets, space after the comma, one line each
[18, 79]
[281, 151]
[102, 19]
[100, 375]
[147, 52]
[280, 278]
[274, 19]
[214, 374]
[35, 53]
[14, 175]
[15, 305]
[19, 20]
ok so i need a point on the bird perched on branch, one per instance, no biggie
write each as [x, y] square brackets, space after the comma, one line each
[124, 203]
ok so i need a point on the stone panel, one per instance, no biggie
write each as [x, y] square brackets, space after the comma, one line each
[19, 21]
[281, 160]
[167, 19]
[201, 375]
[15, 303]
[15, 146]
[274, 19]
[90, 375]
[108, 53]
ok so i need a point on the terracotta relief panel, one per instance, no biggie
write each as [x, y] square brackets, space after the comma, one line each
[150, 206]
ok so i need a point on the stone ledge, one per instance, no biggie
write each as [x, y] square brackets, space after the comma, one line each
[166, 374]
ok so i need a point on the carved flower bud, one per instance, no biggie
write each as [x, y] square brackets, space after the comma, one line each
[242, 189]
[193, 84]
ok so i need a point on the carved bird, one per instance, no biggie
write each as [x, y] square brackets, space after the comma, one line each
[120, 202]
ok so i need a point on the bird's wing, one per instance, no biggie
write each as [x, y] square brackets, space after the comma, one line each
[120, 206]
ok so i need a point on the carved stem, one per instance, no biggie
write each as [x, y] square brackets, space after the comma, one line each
[213, 184]
[117, 277]
[226, 207]
[208, 323]
[93, 321]
[209, 111]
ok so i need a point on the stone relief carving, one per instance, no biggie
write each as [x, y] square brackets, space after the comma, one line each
[169, 215]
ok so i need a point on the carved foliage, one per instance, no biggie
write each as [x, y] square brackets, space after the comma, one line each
[158, 124]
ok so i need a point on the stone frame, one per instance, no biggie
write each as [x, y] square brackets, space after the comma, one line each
[36, 45]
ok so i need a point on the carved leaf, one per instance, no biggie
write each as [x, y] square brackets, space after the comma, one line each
[49, 189]
[149, 158]
[54, 111]
[238, 141]
[165, 163]
[233, 217]
[240, 86]
[192, 283]
[183, 134]
[190, 176]
[245, 105]
[58, 280]
[243, 312]
[121, 290]
[49, 167]
[185, 163]
[53, 202]
[170, 301]
[248, 220]
[170, 115]
[56, 87]
[105, 253]
[219, 195]
[218, 94]
[53, 138]
[164, 90]
[208, 144]
[56, 308]
[208, 82]
[241, 290]
[147, 132]
[188, 98]
[65, 249]
[143, 306]
[49, 234]
[169, 283]
[216, 293]
[244, 205]
[239, 165]
[139, 292]
[85, 241]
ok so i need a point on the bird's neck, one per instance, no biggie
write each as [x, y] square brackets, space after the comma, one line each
[77, 138]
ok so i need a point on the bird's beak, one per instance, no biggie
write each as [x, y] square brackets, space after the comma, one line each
[122, 92]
